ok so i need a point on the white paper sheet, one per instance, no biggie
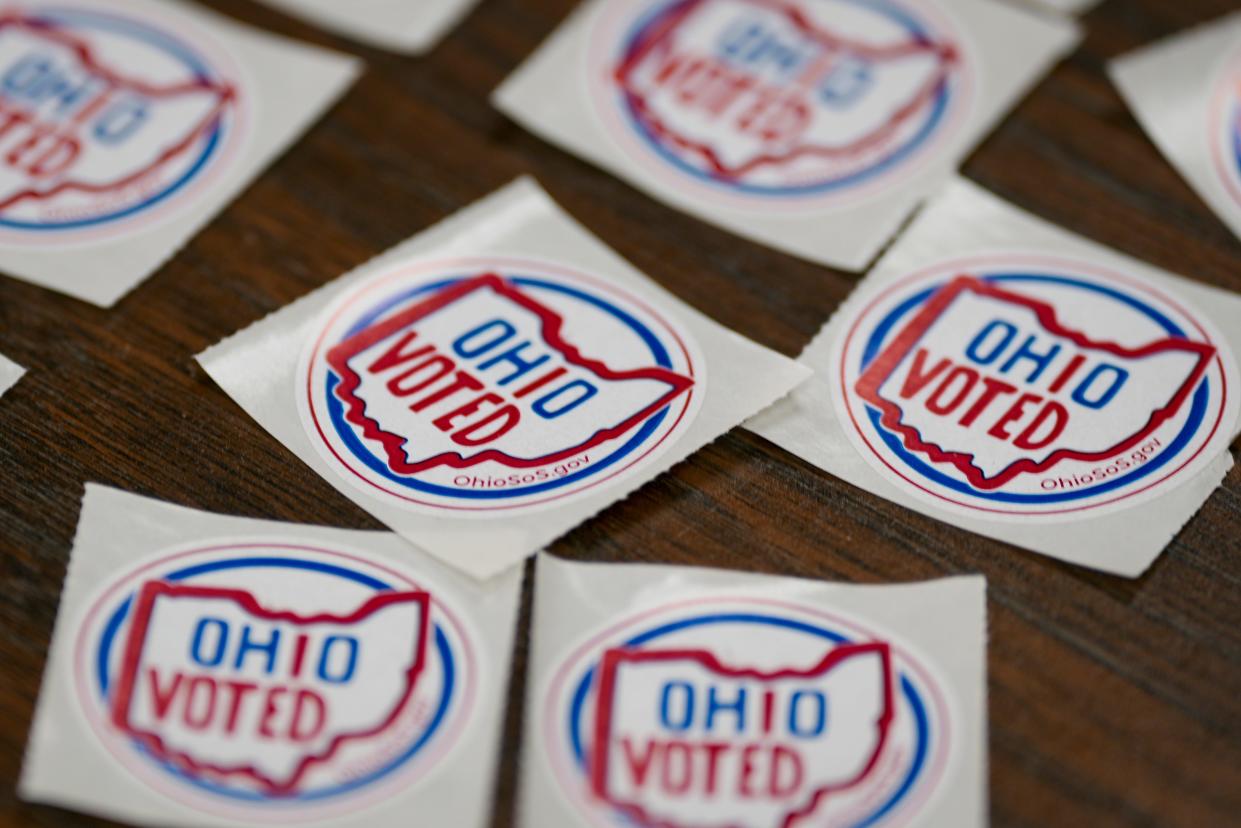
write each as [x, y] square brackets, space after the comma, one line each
[496, 380]
[1186, 93]
[1001, 374]
[746, 114]
[10, 373]
[139, 121]
[712, 698]
[409, 26]
[331, 677]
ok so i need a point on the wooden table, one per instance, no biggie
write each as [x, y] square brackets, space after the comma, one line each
[1112, 702]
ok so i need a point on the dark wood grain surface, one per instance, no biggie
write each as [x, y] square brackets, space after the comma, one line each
[1112, 702]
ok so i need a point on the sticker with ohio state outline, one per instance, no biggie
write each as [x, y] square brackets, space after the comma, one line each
[209, 669]
[780, 96]
[421, 383]
[740, 711]
[989, 381]
[683, 739]
[220, 686]
[1185, 92]
[494, 386]
[1033, 388]
[102, 117]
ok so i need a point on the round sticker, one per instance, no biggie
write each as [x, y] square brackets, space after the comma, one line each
[264, 680]
[736, 711]
[111, 120]
[1225, 128]
[761, 103]
[484, 386]
[1026, 388]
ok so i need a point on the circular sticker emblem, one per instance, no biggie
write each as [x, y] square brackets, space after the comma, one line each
[268, 681]
[1033, 387]
[1225, 128]
[109, 120]
[488, 385]
[745, 713]
[763, 101]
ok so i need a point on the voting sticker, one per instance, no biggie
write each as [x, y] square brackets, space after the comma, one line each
[1226, 126]
[262, 678]
[494, 381]
[814, 126]
[1186, 93]
[125, 126]
[492, 384]
[1001, 374]
[1027, 387]
[766, 101]
[255, 699]
[109, 119]
[728, 707]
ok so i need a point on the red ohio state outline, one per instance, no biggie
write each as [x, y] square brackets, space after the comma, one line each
[339, 355]
[153, 742]
[881, 368]
[947, 54]
[598, 766]
[226, 94]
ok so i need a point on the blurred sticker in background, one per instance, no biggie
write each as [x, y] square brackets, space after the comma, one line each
[1186, 93]
[814, 126]
[125, 126]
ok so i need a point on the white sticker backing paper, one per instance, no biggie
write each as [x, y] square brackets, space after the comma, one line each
[671, 697]
[1186, 93]
[495, 381]
[814, 126]
[221, 671]
[1003, 375]
[128, 124]
[409, 26]
[10, 373]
